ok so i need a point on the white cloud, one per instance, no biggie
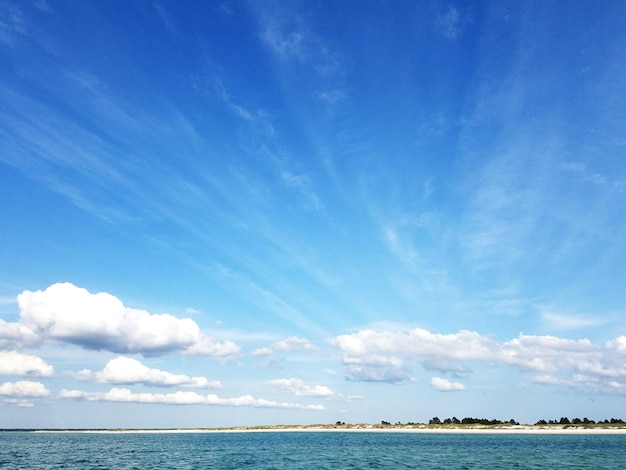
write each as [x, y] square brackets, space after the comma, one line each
[70, 314]
[528, 352]
[15, 363]
[293, 343]
[387, 356]
[378, 355]
[24, 388]
[100, 321]
[445, 385]
[180, 398]
[15, 335]
[81, 375]
[546, 379]
[208, 347]
[262, 352]
[298, 387]
[125, 371]
[377, 368]
[618, 344]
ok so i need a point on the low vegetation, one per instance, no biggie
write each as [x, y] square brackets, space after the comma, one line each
[483, 421]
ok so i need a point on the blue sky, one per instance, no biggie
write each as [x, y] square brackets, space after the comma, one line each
[237, 213]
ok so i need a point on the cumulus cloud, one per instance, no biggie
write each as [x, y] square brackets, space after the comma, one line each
[180, 398]
[446, 385]
[24, 388]
[371, 355]
[15, 363]
[293, 343]
[298, 387]
[81, 375]
[70, 314]
[618, 344]
[377, 368]
[547, 380]
[15, 335]
[544, 353]
[126, 371]
[208, 347]
[387, 356]
[602, 370]
[262, 352]
[416, 342]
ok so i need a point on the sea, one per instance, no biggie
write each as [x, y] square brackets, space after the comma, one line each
[309, 450]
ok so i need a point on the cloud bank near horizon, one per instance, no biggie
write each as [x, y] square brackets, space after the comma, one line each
[388, 356]
[64, 313]
[180, 398]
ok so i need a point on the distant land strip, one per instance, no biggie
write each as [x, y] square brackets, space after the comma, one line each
[617, 426]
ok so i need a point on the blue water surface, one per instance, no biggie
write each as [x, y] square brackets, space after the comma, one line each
[308, 450]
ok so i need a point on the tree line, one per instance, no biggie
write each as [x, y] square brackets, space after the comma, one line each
[563, 420]
[490, 422]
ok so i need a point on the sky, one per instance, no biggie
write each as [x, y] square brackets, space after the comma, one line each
[225, 213]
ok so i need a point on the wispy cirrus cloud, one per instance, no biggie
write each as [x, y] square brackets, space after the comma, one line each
[399, 246]
[12, 23]
[259, 120]
[166, 17]
[451, 22]
[569, 322]
[287, 34]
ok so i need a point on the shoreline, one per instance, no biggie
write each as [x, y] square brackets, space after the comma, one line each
[361, 428]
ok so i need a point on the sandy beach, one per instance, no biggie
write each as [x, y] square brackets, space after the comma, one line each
[453, 429]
